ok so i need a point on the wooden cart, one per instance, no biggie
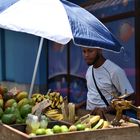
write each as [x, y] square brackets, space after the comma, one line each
[16, 132]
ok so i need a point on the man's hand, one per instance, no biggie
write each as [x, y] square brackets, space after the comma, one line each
[99, 111]
[102, 111]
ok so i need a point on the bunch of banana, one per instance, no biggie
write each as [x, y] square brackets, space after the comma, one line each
[95, 122]
[56, 99]
[37, 97]
[99, 123]
[54, 114]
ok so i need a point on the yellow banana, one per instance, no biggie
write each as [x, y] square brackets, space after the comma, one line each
[36, 95]
[106, 124]
[52, 94]
[57, 103]
[51, 112]
[40, 98]
[93, 120]
[99, 124]
[60, 99]
[57, 94]
[58, 117]
[53, 104]
[59, 106]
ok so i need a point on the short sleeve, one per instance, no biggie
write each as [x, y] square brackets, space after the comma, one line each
[121, 81]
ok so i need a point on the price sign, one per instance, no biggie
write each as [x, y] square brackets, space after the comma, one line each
[37, 109]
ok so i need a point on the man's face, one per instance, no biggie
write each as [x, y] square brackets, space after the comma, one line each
[91, 55]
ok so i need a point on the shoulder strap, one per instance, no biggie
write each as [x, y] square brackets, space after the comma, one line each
[101, 95]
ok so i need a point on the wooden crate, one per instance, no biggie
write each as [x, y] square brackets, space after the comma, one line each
[16, 132]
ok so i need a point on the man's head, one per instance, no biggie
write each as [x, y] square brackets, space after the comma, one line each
[92, 55]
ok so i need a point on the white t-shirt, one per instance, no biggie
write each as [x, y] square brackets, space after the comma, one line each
[109, 78]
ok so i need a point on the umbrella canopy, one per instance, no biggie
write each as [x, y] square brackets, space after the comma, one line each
[59, 21]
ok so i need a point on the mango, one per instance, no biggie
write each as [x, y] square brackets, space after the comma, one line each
[21, 95]
[9, 103]
[23, 102]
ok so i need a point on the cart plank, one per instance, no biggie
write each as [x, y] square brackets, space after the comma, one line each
[122, 133]
[10, 133]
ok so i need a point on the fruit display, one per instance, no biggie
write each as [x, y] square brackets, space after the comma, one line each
[54, 114]
[14, 106]
[38, 97]
[17, 108]
[55, 98]
[92, 123]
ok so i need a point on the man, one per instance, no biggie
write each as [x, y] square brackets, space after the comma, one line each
[110, 79]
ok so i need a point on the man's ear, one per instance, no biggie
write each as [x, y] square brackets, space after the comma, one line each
[100, 51]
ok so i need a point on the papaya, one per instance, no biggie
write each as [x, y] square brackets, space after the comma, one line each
[1, 96]
[8, 95]
[9, 110]
[3, 90]
[1, 112]
[20, 121]
[1, 103]
[8, 118]
[25, 110]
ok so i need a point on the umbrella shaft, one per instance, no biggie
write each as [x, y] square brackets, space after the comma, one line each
[36, 66]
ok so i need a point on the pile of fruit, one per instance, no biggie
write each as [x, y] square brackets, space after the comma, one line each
[55, 98]
[54, 110]
[14, 106]
[89, 124]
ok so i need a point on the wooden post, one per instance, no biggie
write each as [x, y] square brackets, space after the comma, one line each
[2, 55]
[137, 49]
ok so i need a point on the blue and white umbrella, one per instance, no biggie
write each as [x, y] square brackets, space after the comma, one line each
[60, 21]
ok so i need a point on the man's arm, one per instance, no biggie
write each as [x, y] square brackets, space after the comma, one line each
[131, 97]
[81, 104]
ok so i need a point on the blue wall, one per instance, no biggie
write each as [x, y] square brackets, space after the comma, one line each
[0, 59]
[20, 55]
